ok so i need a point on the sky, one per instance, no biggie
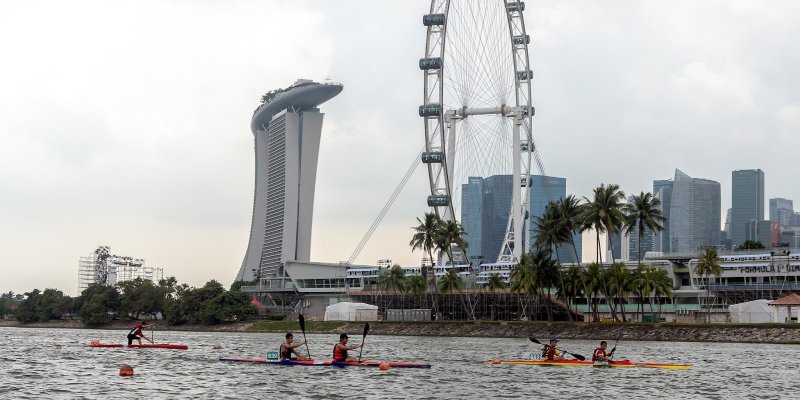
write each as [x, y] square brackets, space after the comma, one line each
[127, 123]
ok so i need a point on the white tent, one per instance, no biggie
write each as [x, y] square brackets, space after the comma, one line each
[756, 312]
[347, 311]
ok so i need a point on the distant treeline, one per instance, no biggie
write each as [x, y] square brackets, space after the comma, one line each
[100, 304]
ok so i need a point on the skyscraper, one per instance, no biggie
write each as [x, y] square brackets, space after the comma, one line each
[694, 213]
[747, 200]
[782, 211]
[494, 216]
[471, 211]
[286, 129]
[663, 190]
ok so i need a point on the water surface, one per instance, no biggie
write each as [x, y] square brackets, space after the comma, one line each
[51, 363]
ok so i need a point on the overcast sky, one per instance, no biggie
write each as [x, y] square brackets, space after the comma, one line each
[127, 123]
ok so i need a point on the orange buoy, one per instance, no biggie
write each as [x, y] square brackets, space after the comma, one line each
[383, 366]
[126, 370]
[496, 361]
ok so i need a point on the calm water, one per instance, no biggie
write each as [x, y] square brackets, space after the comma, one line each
[49, 363]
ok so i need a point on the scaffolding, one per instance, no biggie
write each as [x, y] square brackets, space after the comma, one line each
[102, 267]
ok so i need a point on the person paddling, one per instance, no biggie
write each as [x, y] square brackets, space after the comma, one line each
[289, 349]
[137, 334]
[341, 348]
[550, 352]
[600, 354]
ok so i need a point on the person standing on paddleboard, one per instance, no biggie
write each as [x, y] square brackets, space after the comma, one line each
[600, 355]
[137, 334]
[341, 348]
[289, 349]
[549, 351]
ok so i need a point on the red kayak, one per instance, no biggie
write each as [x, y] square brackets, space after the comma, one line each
[326, 363]
[159, 346]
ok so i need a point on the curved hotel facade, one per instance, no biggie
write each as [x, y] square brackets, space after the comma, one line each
[286, 129]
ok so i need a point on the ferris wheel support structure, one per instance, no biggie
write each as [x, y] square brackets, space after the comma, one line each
[442, 143]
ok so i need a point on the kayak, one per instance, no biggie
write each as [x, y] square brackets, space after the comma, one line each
[159, 346]
[326, 363]
[578, 363]
[103, 345]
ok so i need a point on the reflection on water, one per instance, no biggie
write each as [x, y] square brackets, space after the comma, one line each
[50, 363]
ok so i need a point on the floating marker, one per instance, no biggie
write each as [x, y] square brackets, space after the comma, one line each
[126, 370]
[383, 366]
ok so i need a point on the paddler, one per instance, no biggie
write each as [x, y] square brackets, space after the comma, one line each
[341, 348]
[600, 355]
[137, 334]
[550, 352]
[289, 349]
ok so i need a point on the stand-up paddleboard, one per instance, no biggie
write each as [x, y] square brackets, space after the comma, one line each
[326, 363]
[97, 344]
[159, 346]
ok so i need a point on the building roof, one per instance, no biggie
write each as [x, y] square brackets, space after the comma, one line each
[790, 300]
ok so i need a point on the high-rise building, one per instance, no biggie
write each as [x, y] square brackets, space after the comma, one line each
[286, 128]
[694, 214]
[766, 232]
[781, 210]
[662, 189]
[471, 211]
[496, 206]
[485, 204]
[747, 202]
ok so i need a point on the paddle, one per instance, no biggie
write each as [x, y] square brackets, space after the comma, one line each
[615, 347]
[578, 356]
[303, 328]
[366, 329]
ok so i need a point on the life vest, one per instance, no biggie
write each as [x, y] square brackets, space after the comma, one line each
[549, 352]
[136, 331]
[599, 354]
[339, 354]
[286, 352]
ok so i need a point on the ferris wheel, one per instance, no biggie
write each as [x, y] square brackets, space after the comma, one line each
[478, 109]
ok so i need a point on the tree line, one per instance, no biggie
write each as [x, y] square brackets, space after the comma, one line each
[100, 304]
[540, 277]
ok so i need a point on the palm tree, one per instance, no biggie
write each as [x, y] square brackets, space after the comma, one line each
[592, 285]
[551, 233]
[644, 212]
[707, 265]
[449, 233]
[393, 279]
[523, 281]
[417, 286]
[425, 239]
[619, 285]
[573, 286]
[452, 282]
[570, 210]
[494, 282]
[604, 214]
[663, 286]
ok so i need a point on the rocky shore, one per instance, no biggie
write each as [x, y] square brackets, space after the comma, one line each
[741, 333]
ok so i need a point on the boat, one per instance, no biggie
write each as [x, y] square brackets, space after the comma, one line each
[159, 346]
[326, 363]
[578, 363]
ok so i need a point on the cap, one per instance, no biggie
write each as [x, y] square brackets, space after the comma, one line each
[554, 339]
[343, 336]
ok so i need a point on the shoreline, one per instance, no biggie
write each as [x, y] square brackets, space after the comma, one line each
[674, 332]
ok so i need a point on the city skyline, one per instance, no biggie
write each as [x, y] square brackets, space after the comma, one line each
[134, 138]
